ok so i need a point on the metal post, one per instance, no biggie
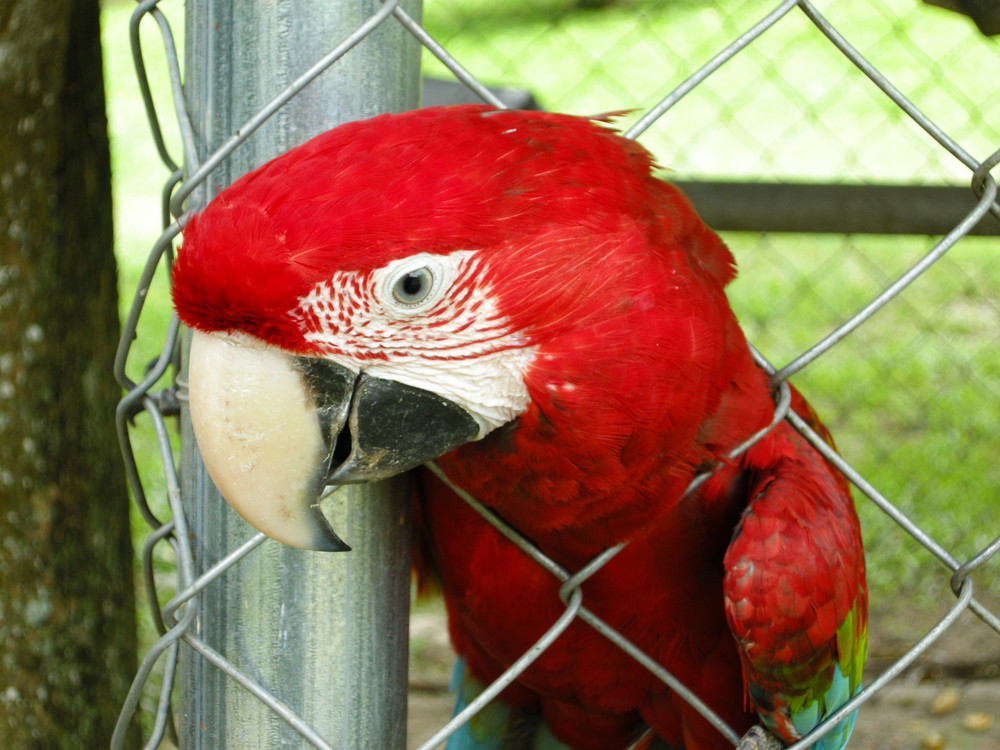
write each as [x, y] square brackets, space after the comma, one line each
[324, 633]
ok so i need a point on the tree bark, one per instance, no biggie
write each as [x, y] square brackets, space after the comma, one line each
[67, 616]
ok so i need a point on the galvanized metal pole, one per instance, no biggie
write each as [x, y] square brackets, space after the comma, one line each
[324, 633]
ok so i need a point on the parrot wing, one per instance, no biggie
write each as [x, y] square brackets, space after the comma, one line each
[795, 592]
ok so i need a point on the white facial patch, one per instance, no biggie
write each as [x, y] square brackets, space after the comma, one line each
[427, 321]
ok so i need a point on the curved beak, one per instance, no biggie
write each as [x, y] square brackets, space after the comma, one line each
[274, 429]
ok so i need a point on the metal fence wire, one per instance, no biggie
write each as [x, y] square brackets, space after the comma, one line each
[156, 392]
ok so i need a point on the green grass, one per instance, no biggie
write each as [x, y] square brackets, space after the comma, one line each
[913, 395]
[137, 179]
[789, 106]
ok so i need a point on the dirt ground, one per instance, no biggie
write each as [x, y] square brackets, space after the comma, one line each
[948, 700]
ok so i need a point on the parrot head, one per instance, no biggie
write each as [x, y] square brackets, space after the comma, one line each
[399, 287]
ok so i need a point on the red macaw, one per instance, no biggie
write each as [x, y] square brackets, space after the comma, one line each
[515, 295]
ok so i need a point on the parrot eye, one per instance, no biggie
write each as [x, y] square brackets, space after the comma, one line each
[412, 287]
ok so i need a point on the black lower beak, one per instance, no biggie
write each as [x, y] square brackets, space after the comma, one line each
[395, 427]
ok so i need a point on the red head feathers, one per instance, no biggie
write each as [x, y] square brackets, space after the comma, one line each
[362, 194]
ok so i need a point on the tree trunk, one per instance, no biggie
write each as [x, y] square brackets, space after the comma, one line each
[67, 618]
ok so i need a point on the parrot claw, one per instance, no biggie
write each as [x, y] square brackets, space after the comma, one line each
[758, 738]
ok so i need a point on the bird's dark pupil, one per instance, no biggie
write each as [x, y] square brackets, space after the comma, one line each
[413, 283]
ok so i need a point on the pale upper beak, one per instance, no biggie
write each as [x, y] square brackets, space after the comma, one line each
[274, 429]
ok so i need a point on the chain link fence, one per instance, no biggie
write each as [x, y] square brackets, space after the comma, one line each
[770, 101]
